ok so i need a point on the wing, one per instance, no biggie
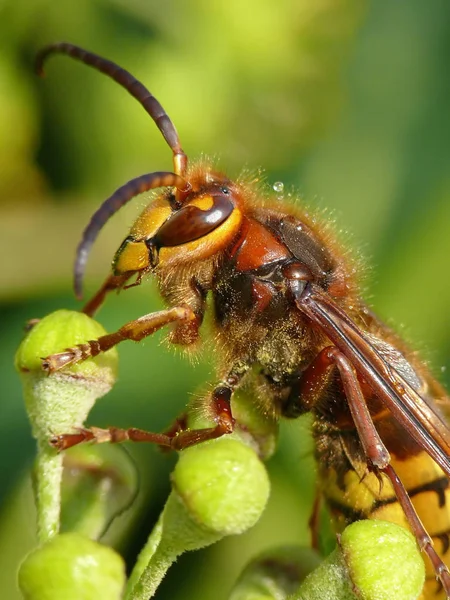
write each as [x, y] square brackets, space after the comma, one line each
[408, 407]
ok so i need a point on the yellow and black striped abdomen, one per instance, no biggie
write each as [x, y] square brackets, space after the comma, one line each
[353, 494]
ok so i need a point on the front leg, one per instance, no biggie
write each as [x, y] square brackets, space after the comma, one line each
[186, 332]
[113, 282]
[134, 330]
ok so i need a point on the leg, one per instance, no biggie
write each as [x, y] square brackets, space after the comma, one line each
[315, 379]
[180, 424]
[30, 324]
[186, 332]
[113, 282]
[134, 330]
[176, 437]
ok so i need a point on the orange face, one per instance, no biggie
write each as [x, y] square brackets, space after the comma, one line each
[164, 236]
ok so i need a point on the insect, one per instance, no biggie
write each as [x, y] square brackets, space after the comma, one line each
[287, 316]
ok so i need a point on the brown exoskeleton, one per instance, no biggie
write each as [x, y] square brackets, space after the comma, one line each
[286, 300]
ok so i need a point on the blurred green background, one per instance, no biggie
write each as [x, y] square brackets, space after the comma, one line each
[346, 100]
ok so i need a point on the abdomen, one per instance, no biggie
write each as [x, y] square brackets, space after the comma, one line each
[353, 494]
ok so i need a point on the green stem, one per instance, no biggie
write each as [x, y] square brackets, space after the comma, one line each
[47, 488]
[150, 568]
[176, 532]
[59, 402]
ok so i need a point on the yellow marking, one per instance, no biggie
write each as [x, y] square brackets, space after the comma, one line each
[417, 470]
[390, 512]
[132, 256]
[151, 219]
[435, 518]
[356, 494]
[203, 202]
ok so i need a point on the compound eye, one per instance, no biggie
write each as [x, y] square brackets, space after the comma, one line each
[194, 221]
